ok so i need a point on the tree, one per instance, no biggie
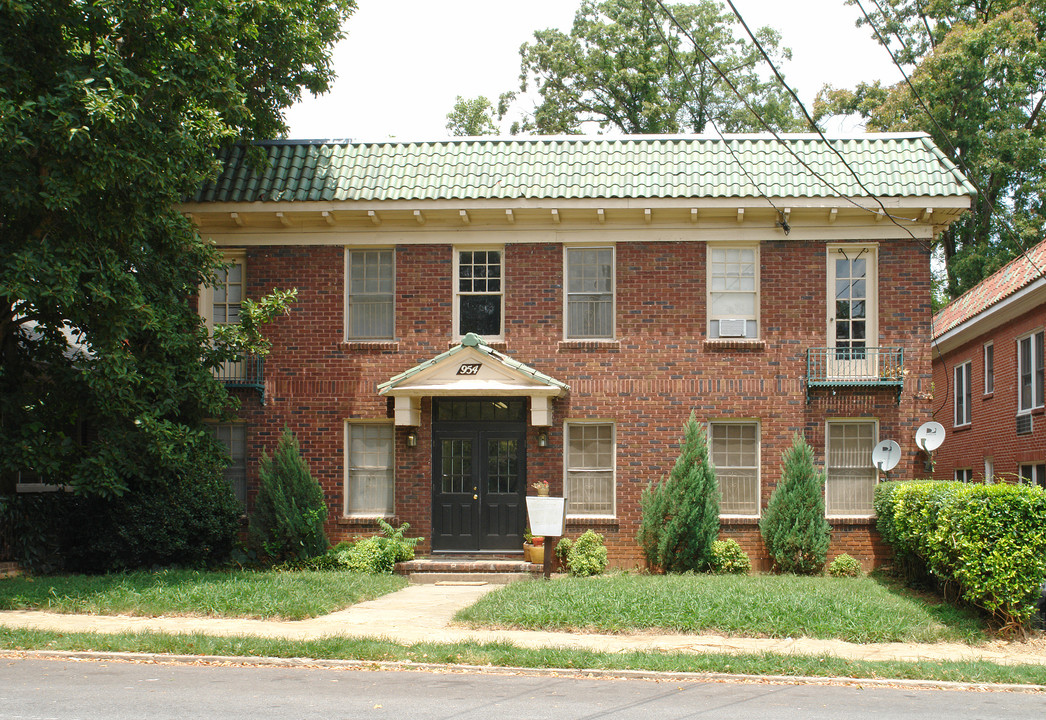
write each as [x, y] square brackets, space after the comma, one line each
[111, 114]
[681, 513]
[471, 117]
[980, 70]
[794, 529]
[289, 512]
[620, 68]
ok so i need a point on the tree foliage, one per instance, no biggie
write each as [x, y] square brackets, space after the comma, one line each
[794, 529]
[111, 113]
[680, 519]
[980, 69]
[626, 66]
[471, 117]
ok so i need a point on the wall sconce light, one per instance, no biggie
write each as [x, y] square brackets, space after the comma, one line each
[543, 440]
[412, 439]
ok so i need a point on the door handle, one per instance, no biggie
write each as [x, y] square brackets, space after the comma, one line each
[475, 497]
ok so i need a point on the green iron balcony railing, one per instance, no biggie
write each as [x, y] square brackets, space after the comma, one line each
[855, 367]
[247, 372]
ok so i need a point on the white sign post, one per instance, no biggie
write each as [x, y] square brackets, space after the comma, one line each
[548, 516]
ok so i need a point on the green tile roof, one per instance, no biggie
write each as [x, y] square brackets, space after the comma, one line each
[890, 165]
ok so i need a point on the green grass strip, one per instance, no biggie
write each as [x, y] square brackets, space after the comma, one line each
[859, 610]
[239, 593]
[508, 655]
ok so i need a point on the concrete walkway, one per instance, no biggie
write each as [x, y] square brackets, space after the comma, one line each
[424, 613]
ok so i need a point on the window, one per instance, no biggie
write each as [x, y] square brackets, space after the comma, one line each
[735, 455]
[851, 476]
[733, 292]
[1029, 373]
[369, 474]
[480, 286]
[853, 307]
[989, 368]
[989, 470]
[234, 437]
[964, 475]
[590, 293]
[1034, 473]
[220, 303]
[590, 469]
[371, 292]
[963, 394]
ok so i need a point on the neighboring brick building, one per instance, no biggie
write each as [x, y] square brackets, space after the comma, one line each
[618, 286]
[988, 376]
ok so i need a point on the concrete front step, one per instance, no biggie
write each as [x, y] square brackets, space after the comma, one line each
[467, 569]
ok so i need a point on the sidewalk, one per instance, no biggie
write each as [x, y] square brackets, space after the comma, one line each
[424, 613]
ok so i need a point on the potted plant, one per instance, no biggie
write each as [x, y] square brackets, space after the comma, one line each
[533, 548]
[541, 486]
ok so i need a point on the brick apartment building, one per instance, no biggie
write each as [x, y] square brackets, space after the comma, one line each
[988, 376]
[476, 315]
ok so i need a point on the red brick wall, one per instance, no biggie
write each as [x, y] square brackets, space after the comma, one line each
[992, 432]
[648, 382]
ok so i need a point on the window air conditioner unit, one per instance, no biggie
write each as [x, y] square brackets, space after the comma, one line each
[732, 328]
[1024, 424]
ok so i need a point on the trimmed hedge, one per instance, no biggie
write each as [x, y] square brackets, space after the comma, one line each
[988, 539]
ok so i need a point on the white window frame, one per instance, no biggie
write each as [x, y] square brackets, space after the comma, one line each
[989, 470]
[752, 329]
[828, 469]
[712, 426]
[349, 337]
[989, 368]
[962, 394]
[612, 470]
[963, 475]
[205, 298]
[567, 293]
[871, 254]
[1033, 473]
[458, 293]
[215, 428]
[348, 468]
[1036, 375]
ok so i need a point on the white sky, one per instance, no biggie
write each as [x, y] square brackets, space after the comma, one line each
[404, 62]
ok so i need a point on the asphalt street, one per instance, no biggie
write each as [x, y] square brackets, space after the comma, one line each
[35, 689]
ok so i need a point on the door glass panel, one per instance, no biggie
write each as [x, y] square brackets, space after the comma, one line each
[502, 466]
[457, 466]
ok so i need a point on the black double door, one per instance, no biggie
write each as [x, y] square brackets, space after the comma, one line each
[479, 485]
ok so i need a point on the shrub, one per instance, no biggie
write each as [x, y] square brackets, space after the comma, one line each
[728, 558]
[844, 566]
[289, 512]
[587, 555]
[380, 553]
[680, 515]
[29, 526]
[988, 539]
[563, 550]
[794, 527]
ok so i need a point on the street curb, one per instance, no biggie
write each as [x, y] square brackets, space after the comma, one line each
[277, 662]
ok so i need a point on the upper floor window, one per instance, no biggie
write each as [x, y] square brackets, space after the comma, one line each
[369, 470]
[853, 323]
[371, 292]
[989, 368]
[589, 486]
[733, 292]
[480, 289]
[735, 455]
[590, 293]
[851, 475]
[963, 394]
[1029, 372]
[220, 303]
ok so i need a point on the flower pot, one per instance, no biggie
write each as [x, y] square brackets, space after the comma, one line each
[537, 554]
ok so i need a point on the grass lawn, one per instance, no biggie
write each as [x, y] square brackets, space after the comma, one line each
[507, 655]
[247, 594]
[855, 609]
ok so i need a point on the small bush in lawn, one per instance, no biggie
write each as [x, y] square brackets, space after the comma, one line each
[728, 558]
[563, 550]
[844, 566]
[680, 515]
[289, 512]
[380, 553]
[794, 527]
[587, 555]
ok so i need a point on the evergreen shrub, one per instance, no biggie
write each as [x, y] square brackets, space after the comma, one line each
[680, 514]
[794, 527]
[729, 558]
[988, 539]
[289, 511]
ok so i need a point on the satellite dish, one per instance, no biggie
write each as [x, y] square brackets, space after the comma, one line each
[929, 436]
[886, 455]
